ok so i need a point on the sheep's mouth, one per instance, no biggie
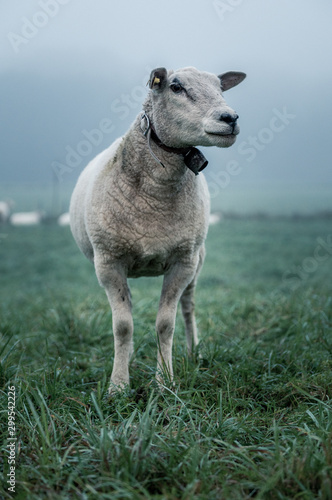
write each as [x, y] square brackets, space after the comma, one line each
[220, 139]
[221, 134]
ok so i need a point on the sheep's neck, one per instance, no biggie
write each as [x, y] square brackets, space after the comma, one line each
[192, 157]
[141, 168]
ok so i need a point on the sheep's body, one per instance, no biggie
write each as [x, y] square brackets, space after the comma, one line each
[131, 217]
[164, 219]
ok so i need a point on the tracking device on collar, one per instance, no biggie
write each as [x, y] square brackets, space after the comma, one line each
[195, 160]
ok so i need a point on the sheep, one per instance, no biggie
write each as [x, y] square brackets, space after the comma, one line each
[63, 219]
[141, 209]
[26, 218]
[214, 219]
[5, 210]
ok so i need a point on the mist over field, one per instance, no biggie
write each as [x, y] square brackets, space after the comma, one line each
[73, 77]
[249, 413]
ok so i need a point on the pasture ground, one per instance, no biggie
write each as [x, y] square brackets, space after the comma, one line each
[250, 418]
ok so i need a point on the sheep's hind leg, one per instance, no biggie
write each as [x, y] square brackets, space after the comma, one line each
[188, 308]
[188, 312]
[114, 280]
[175, 281]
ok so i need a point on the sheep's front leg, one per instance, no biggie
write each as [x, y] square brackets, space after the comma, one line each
[114, 280]
[175, 281]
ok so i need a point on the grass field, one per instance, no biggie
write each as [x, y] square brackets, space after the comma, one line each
[250, 418]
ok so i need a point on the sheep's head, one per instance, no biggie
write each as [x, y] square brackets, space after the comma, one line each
[187, 107]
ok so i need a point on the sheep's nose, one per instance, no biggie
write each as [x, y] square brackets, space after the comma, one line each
[228, 118]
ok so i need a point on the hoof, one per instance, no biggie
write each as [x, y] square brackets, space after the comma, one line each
[117, 388]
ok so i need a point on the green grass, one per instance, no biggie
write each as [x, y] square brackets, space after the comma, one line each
[250, 418]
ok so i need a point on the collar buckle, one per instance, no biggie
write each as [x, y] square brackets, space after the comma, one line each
[145, 118]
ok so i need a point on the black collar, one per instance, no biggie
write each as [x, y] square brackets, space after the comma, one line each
[192, 157]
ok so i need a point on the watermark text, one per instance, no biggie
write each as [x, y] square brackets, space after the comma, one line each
[11, 439]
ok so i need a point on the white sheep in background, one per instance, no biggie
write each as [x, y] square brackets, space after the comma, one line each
[64, 219]
[26, 218]
[214, 219]
[5, 210]
[138, 208]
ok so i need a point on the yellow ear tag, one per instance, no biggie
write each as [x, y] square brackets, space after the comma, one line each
[156, 80]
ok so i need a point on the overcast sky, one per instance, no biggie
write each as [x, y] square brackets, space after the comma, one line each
[67, 65]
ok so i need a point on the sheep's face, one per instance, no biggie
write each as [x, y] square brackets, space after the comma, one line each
[188, 108]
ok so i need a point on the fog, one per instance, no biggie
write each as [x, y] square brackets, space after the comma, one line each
[69, 68]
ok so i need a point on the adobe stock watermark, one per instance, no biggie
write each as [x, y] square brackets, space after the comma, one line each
[11, 439]
[31, 27]
[75, 155]
[123, 105]
[249, 149]
[292, 278]
[224, 7]
[120, 107]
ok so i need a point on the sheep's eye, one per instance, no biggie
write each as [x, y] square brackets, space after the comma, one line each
[176, 87]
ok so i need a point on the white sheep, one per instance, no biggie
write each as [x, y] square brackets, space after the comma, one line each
[5, 210]
[64, 219]
[138, 208]
[26, 218]
[214, 218]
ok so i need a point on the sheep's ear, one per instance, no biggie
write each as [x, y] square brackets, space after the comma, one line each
[158, 79]
[231, 79]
